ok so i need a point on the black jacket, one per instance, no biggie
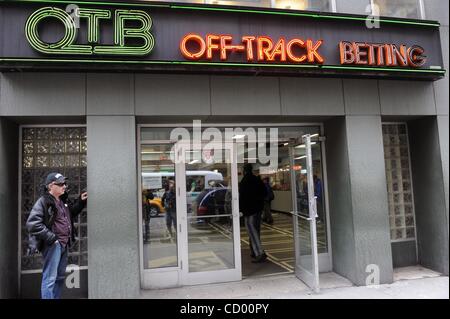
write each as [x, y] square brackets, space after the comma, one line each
[41, 219]
[252, 192]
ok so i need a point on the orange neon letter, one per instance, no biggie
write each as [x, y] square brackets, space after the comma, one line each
[346, 50]
[415, 56]
[380, 55]
[210, 46]
[388, 55]
[265, 44]
[291, 55]
[399, 56]
[248, 40]
[360, 55]
[224, 46]
[188, 54]
[280, 50]
[312, 51]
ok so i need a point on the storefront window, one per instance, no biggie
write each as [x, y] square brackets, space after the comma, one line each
[399, 184]
[311, 5]
[399, 8]
[46, 150]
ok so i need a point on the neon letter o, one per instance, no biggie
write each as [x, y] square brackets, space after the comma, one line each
[32, 35]
[199, 40]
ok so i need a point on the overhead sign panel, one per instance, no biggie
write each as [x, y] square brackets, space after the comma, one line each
[169, 37]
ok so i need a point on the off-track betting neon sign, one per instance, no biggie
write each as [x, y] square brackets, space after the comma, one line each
[132, 37]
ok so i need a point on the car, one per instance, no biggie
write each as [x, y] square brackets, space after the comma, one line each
[196, 182]
[155, 207]
[215, 200]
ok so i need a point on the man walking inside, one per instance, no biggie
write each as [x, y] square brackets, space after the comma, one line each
[51, 229]
[251, 203]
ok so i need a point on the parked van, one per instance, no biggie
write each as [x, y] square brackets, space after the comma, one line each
[196, 182]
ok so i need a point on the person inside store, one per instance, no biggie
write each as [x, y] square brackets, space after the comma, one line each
[251, 203]
[267, 213]
[51, 231]
[318, 193]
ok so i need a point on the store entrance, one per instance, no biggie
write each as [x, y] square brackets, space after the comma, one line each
[294, 241]
[202, 238]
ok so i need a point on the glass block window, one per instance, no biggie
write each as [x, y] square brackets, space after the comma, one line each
[399, 183]
[46, 150]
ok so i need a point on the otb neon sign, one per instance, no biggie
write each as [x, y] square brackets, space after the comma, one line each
[68, 45]
[255, 48]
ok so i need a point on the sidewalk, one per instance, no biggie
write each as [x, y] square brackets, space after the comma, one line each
[409, 283]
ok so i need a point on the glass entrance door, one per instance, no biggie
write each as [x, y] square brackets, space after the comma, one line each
[304, 213]
[207, 207]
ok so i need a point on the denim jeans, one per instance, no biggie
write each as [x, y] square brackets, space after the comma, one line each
[267, 213]
[252, 222]
[54, 271]
[256, 221]
[171, 219]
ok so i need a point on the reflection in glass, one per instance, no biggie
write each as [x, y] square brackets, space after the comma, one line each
[209, 207]
[158, 207]
[399, 8]
[312, 5]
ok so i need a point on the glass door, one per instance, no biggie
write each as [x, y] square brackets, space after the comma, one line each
[304, 213]
[207, 198]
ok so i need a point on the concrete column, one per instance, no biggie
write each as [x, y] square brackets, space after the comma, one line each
[8, 209]
[358, 198]
[112, 207]
[429, 161]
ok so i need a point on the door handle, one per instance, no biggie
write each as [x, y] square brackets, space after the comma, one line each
[300, 216]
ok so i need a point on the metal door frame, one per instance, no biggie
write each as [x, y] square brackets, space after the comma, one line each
[206, 277]
[311, 279]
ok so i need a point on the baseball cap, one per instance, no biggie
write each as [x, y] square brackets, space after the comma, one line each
[55, 177]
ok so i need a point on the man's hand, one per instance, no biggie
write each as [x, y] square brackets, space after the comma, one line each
[84, 196]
